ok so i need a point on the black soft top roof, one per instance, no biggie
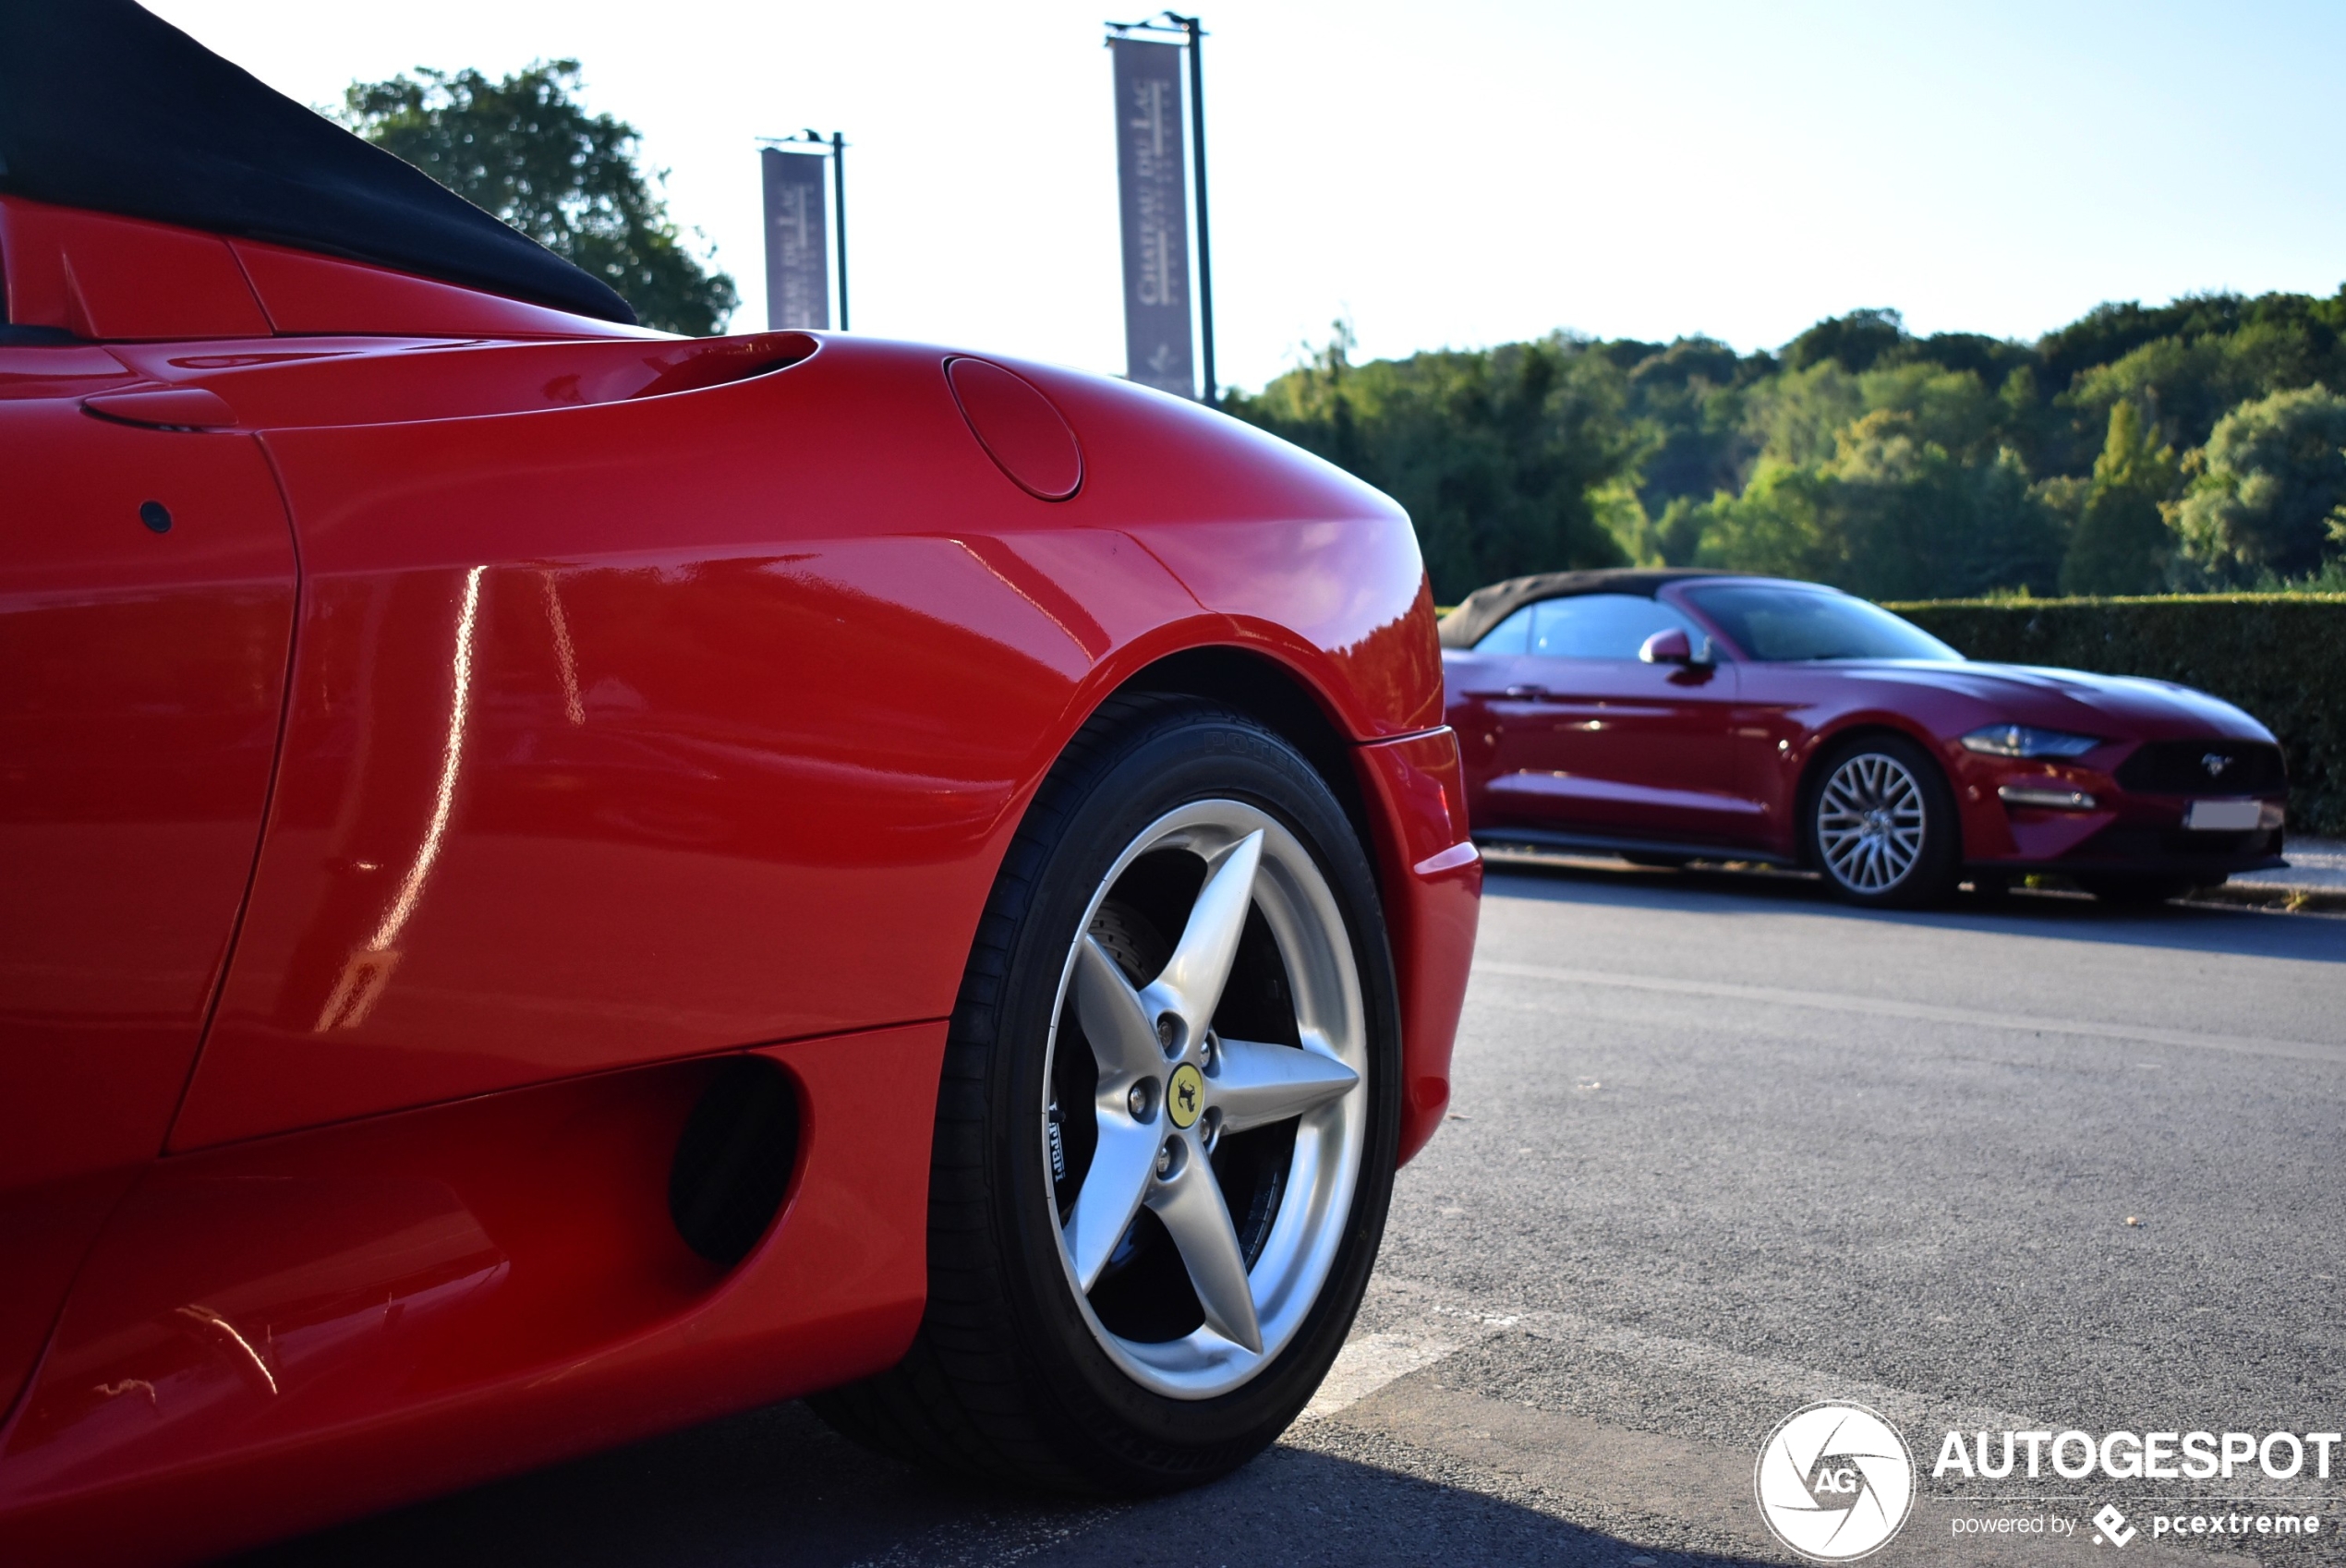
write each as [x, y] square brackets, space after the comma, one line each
[104, 106]
[1485, 608]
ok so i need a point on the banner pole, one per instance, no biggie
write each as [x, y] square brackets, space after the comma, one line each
[839, 202]
[1196, 30]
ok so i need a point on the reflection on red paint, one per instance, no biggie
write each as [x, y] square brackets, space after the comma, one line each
[367, 971]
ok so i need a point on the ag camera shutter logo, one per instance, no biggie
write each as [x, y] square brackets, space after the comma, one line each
[1835, 1482]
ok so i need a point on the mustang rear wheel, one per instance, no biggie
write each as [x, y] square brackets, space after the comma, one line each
[1166, 1139]
[1880, 824]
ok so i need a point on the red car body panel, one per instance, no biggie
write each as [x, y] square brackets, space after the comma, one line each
[285, 1332]
[522, 714]
[1624, 747]
[1433, 879]
[1673, 758]
[123, 877]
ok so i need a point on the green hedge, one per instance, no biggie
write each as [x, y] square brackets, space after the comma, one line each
[2281, 657]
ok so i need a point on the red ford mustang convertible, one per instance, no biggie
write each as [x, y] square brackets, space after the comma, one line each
[1676, 716]
[557, 881]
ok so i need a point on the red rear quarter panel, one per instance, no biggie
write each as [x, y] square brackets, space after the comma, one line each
[746, 687]
[1306, 562]
[1311, 567]
[640, 712]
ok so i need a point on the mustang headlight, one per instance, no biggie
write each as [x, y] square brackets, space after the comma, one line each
[2019, 741]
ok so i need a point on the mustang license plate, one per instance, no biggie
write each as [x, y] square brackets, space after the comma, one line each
[2223, 816]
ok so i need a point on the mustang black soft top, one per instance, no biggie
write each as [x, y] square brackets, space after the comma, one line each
[104, 106]
[1485, 608]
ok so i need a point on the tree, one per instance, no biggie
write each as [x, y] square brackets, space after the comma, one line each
[1865, 455]
[1894, 515]
[1855, 342]
[2274, 485]
[2121, 541]
[1798, 415]
[526, 150]
[1688, 402]
[1502, 456]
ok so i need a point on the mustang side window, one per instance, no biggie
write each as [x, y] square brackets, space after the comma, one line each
[1601, 625]
[1512, 635]
[1773, 623]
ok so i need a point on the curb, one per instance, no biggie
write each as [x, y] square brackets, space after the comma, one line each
[2272, 896]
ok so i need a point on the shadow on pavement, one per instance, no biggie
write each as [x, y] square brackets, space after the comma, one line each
[778, 1488]
[2204, 928]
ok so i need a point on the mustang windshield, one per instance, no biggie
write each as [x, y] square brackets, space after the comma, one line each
[1783, 624]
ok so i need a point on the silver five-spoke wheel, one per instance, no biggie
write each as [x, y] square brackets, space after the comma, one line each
[1168, 1119]
[1151, 1158]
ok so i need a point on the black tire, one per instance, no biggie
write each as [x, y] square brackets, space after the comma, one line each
[2132, 889]
[1930, 876]
[1005, 1380]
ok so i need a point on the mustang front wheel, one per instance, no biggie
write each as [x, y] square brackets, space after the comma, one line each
[1880, 824]
[1166, 1140]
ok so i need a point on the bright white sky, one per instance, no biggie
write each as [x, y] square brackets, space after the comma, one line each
[1463, 173]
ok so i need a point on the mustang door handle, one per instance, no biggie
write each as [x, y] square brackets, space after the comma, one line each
[1519, 692]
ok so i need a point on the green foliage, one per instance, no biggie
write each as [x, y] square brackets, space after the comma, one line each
[2109, 333]
[2282, 659]
[2331, 579]
[2120, 542]
[2273, 496]
[524, 149]
[1855, 342]
[1893, 513]
[1499, 454]
[1799, 416]
[2183, 445]
[1685, 405]
[2189, 385]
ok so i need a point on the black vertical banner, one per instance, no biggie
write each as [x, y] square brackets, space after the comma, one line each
[1152, 170]
[798, 268]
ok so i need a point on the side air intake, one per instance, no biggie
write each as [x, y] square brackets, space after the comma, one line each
[734, 1159]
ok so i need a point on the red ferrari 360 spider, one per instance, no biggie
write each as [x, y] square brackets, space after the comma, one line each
[1676, 716]
[557, 881]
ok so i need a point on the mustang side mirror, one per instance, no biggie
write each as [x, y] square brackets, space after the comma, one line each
[1673, 647]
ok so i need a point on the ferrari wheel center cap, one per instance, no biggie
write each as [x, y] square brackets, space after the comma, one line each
[1185, 1095]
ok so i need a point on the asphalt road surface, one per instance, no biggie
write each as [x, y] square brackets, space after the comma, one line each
[1720, 1148]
